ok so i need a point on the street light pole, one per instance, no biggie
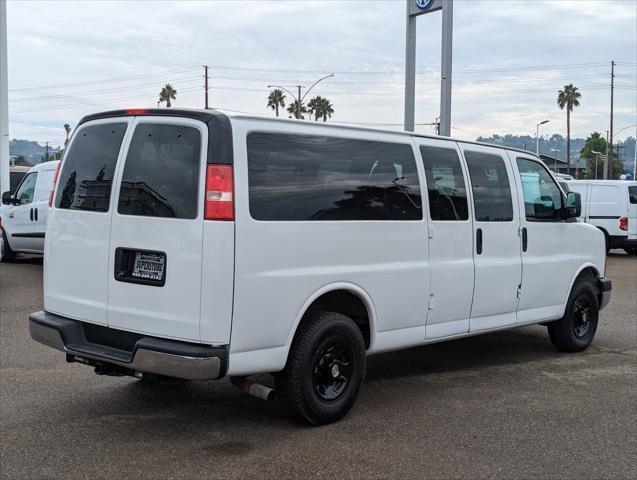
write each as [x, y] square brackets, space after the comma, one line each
[597, 154]
[298, 97]
[537, 136]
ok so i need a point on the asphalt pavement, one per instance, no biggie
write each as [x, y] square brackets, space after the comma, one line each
[503, 405]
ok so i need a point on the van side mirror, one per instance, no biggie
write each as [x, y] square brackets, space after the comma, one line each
[7, 198]
[573, 208]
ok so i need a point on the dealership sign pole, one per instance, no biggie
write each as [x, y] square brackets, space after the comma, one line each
[4, 101]
[420, 7]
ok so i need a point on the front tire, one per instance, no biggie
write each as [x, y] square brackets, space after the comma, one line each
[325, 369]
[575, 331]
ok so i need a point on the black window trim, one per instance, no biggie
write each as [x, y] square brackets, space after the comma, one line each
[487, 151]
[449, 145]
[205, 138]
[557, 219]
[86, 123]
[349, 135]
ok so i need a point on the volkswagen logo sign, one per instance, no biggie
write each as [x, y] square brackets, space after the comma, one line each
[424, 4]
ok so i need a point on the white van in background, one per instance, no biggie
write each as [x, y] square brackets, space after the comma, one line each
[610, 205]
[24, 214]
[198, 245]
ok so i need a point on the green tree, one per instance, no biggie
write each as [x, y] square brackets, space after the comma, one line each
[314, 107]
[568, 98]
[293, 111]
[594, 143]
[167, 94]
[67, 131]
[276, 100]
[326, 109]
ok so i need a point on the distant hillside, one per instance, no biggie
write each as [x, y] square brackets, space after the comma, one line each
[31, 151]
[555, 146]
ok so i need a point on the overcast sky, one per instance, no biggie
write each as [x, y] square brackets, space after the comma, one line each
[67, 59]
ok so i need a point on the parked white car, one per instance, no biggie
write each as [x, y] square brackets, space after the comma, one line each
[610, 205]
[24, 214]
[197, 245]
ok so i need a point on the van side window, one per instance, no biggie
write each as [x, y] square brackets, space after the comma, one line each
[542, 196]
[308, 177]
[26, 190]
[490, 183]
[161, 173]
[87, 172]
[632, 193]
[445, 184]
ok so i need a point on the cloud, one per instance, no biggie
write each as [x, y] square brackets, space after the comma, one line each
[61, 43]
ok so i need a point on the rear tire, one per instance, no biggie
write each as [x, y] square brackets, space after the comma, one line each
[631, 250]
[8, 255]
[324, 371]
[575, 331]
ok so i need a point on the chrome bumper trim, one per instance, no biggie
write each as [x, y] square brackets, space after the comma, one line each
[149, 361]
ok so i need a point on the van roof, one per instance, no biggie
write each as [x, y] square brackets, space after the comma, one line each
[207, 115]
[50, 165]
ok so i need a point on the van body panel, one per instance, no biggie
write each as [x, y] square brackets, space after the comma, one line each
[76, 255]
[498, 266]
[552, 255]
[450, 245]
[217, 282]
[369, 254]
[171, 310]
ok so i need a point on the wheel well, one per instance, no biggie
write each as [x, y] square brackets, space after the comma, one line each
[344, 302]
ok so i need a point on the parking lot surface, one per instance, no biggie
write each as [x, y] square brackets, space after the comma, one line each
[496, 406]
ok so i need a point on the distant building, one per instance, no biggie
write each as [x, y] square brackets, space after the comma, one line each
[558, 165]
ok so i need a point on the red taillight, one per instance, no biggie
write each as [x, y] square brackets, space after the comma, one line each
[623, 224]
[137, 111]
[219, 193]
[55, 181]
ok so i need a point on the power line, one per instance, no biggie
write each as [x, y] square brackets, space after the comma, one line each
[107, 80]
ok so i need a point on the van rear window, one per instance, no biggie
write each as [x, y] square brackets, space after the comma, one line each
[311, 177]
[161, 173]
[632, 193]
[87, 173]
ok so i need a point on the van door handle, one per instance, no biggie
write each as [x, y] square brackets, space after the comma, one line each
[479, 241]
[31, 214]
[36, 214]
[525, 240]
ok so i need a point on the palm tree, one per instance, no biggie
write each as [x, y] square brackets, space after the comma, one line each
[293, 112]
[167, 94]
[67, 130]
[314, 107]
[276, 100]
[568, 98]
[326, 109]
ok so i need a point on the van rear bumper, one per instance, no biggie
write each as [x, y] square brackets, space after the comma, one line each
[129, 353]
[618, 241]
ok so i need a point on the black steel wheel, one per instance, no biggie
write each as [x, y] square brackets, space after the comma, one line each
[575, 331]
[6, 255]
[324, 371]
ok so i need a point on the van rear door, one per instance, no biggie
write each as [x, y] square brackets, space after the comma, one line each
[632, 211]
[155, 255]
[76, 250]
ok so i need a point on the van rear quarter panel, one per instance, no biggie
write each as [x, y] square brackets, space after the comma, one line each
[280, 265]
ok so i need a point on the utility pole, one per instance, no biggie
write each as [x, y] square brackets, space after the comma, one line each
[610, 144]
[606, 157]
[205, 76]
[46, 158]
[298, 103]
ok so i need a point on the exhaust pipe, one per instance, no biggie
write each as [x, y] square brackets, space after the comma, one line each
[253, 388]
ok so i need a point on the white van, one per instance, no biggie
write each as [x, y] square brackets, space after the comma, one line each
[23, 215]
[198, 245]
[610, 205]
